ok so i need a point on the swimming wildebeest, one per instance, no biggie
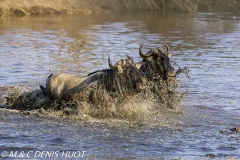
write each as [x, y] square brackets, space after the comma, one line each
[121, 79]
[157, 69]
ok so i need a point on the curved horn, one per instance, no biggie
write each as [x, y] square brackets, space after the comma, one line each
[110, 64]
[142, 54]
[167, 48]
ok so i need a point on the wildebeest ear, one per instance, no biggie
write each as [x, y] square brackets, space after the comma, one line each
[138, 65]
[120, 69]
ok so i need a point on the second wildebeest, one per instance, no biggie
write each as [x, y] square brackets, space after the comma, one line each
[120, 79]
[157, 69]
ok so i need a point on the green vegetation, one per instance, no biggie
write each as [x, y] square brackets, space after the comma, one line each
[41, 7]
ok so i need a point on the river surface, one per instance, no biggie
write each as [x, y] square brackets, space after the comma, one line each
[208, 44]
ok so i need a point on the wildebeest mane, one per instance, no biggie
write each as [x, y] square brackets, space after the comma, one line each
[101, 71]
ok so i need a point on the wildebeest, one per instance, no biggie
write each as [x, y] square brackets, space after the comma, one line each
[157, 69]
[156, 64]
[121, 79]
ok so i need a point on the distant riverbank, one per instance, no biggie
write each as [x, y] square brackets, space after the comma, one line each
[45, 7]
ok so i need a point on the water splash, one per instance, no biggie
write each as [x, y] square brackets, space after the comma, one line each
[137, 107]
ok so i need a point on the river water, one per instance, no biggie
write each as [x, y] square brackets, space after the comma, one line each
[206, 43]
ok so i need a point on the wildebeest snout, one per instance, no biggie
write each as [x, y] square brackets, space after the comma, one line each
[140, 86]
[170, 73]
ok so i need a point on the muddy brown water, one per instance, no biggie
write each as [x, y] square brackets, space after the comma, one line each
[206, 43]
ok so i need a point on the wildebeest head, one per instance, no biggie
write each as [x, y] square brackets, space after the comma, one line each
[129, 73]
[156, 63]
